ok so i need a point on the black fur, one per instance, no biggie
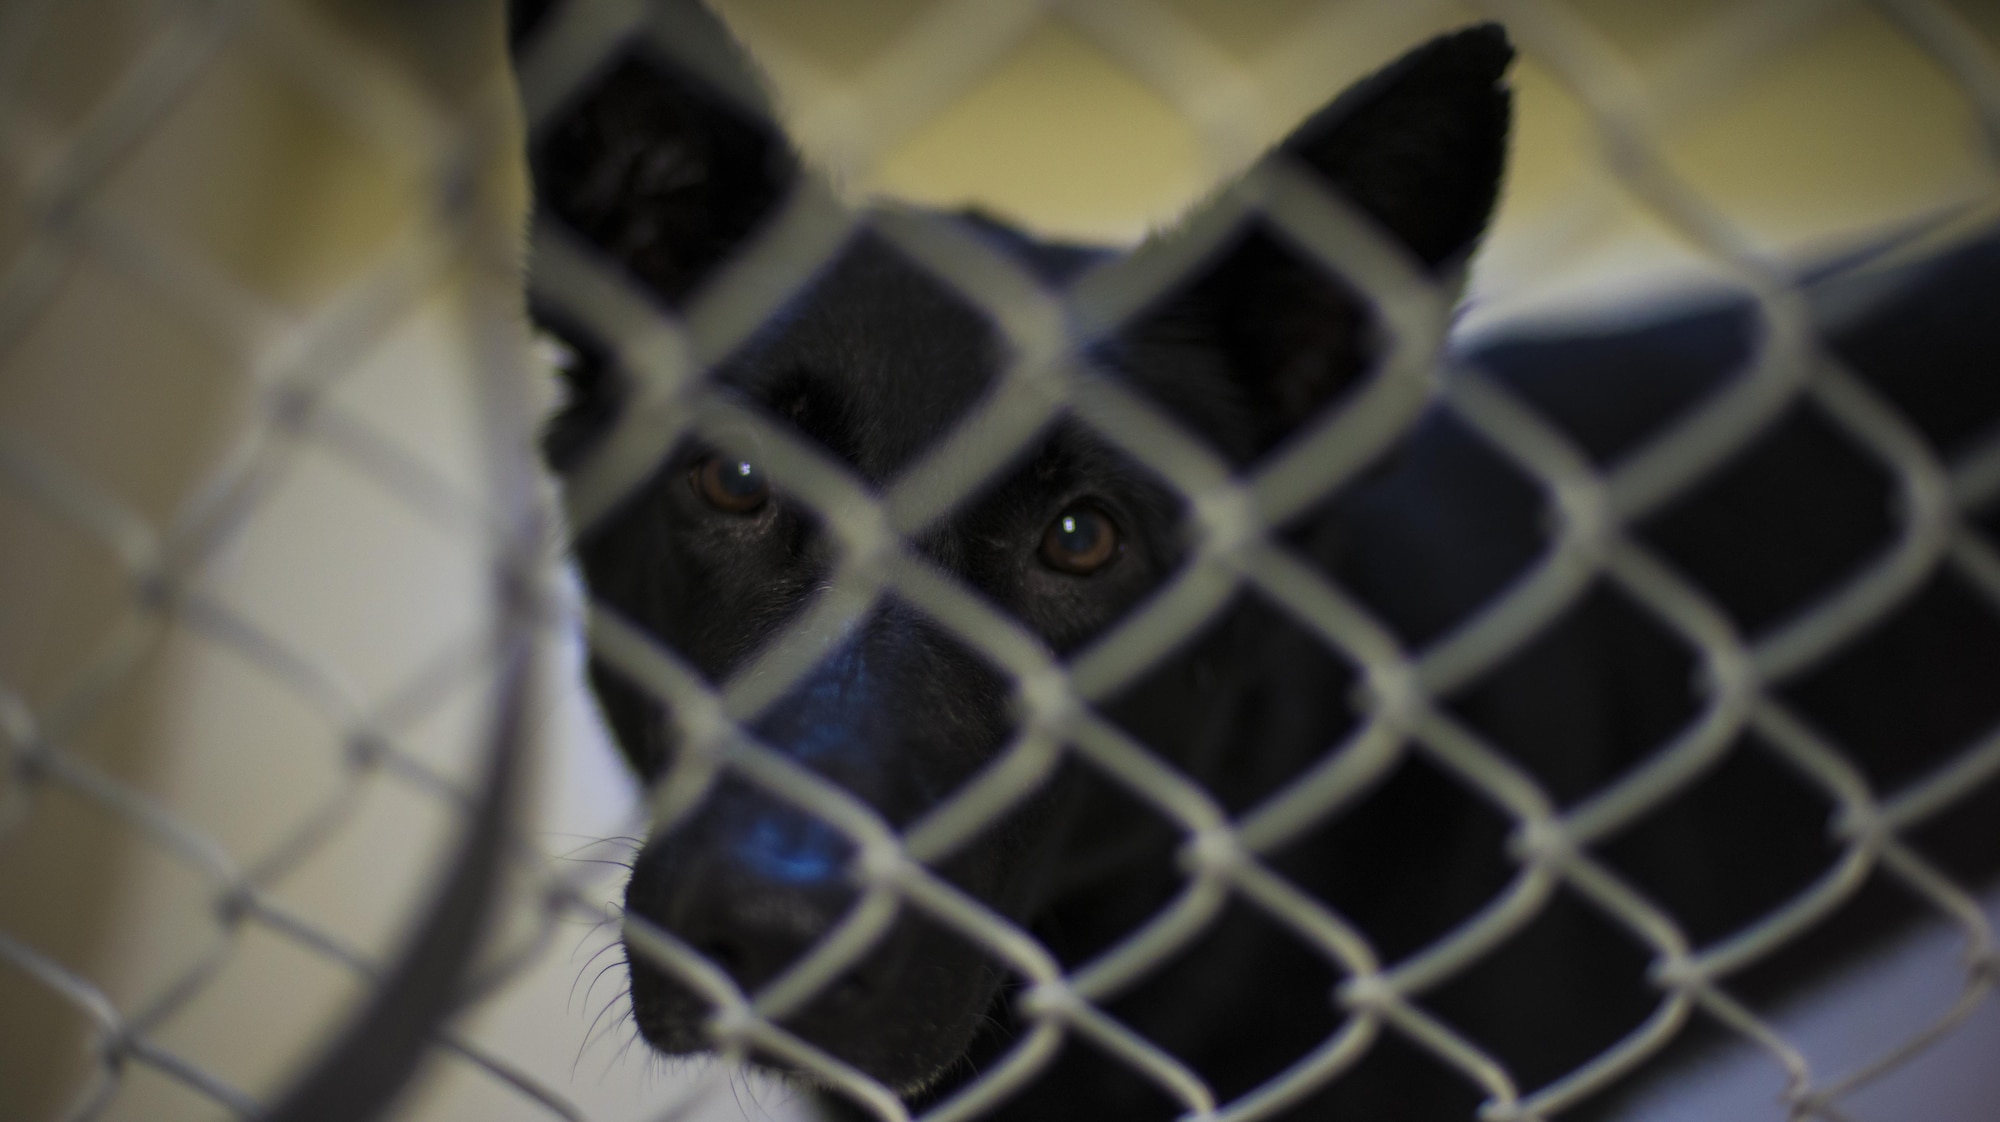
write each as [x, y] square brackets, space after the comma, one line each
[877, 360]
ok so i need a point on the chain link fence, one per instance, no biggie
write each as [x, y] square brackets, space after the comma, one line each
[662, 345]
[264, 392]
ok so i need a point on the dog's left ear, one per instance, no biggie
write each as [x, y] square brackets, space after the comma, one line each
[1419, 147]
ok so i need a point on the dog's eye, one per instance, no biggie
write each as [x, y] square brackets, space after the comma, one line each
[730, 485]
[1081, 541]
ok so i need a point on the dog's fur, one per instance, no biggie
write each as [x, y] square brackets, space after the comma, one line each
[877, 360]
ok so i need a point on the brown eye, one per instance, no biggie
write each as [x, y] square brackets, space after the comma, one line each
[1079, 541]
[731, 485]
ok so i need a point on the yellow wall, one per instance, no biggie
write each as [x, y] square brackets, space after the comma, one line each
[1845, 126]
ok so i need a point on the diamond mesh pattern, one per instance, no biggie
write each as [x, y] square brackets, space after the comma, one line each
[1596, 539]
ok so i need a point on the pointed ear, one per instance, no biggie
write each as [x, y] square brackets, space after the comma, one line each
[1419, 147]
[666, 160]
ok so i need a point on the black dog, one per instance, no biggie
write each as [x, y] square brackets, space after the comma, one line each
[877, 360]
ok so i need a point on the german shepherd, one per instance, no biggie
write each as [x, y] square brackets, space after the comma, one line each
[876, 360]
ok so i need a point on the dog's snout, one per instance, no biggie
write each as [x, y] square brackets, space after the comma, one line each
[751, 885]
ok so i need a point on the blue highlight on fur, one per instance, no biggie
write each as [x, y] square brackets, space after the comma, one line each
[793, 849]
[831, 718]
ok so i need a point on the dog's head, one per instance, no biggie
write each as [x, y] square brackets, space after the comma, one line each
[873, 363]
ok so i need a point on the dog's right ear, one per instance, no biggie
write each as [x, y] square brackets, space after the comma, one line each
[665, 162]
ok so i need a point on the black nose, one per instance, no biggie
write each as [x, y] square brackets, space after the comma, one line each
[749, 883]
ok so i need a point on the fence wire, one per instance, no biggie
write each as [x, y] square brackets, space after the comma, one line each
[71, 226]
[1236, 518]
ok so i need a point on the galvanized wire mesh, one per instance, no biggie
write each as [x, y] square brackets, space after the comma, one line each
[1049, 331]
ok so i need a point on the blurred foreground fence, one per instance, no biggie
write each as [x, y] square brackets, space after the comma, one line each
[273, 581]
